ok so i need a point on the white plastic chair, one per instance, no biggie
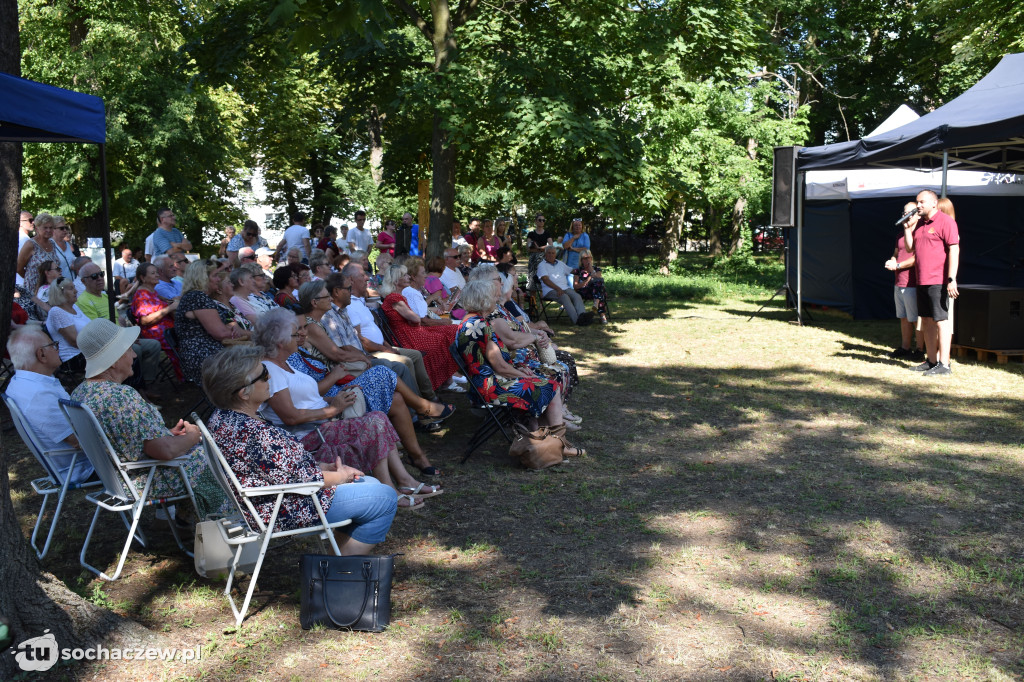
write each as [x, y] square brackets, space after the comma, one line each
[52, 483]
[119, 493]
[240, 532]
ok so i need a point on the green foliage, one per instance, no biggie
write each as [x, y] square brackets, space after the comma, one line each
[698, 278]
[167, 143]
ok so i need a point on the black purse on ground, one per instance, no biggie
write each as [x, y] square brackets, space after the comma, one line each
[346, 592]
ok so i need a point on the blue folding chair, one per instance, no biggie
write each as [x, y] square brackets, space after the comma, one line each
[54, 482]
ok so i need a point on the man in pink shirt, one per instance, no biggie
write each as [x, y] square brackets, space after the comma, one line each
[935, 243]
[905, 291]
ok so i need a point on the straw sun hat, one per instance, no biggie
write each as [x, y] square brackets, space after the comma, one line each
[103, 343]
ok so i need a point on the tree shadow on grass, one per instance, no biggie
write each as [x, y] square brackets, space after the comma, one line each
[893, 542]
[823, 472]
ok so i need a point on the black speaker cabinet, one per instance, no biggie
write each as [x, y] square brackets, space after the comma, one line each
[784, 187]
[989, 317]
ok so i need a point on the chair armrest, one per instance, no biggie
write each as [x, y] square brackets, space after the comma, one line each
[62, 451]
[292, 488]
[144, 463]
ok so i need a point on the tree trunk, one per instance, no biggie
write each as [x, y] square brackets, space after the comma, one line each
[714, 232]
[739, 209]
[373, 125]
[737, 223]
[31, 601]
[672, 239]
[442, 200]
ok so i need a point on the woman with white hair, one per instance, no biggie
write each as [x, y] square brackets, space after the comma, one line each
[64, 321]
[408, 327]
[366, 443]
[260, 454]
[523, 343]
[498, 380]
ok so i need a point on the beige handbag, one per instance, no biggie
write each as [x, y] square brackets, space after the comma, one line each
[536, 449]
[358, 408]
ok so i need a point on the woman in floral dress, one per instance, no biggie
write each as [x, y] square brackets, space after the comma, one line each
[135, 427]
[203, 324]
[260, 454]
[487, 360]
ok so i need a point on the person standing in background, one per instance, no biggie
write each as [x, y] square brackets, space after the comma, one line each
[905, 290]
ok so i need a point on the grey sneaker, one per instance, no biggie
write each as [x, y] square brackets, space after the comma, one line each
[938, 370]
[925, 366]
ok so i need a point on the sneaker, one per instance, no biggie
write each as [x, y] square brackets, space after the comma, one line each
[924, 366]
[604, 319]
[939, 370]
[901, 353]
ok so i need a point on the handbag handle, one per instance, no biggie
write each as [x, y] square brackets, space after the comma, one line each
[366, 596]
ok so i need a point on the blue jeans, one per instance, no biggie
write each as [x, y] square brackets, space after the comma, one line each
[370, 504]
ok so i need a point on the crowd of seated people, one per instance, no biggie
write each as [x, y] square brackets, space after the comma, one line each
[304, 384]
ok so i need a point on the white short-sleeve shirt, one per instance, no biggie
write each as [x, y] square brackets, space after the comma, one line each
[303, 391]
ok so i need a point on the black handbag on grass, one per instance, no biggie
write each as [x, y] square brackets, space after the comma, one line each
[346, 592]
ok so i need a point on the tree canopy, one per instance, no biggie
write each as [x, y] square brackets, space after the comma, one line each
[634, 111]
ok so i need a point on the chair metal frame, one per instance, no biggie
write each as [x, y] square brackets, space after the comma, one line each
[385, 327]
[119, 493]
[497, 417]
[238, 532]
[52, 483]
[536, 290]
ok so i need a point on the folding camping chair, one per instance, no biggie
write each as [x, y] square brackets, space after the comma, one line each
[119, 493]
[240, 531]
[495, 417]
[385, 327]
[539, 304]
[53, 482]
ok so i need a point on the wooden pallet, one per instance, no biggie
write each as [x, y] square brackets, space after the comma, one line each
[985, 354]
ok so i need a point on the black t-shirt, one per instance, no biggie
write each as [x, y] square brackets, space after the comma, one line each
[538, 240]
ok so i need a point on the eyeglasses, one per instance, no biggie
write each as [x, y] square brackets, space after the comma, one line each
[28, 220]
[50, 345]
[248, 257]
[94, 276]
[320, 298]
[541, 220]
[264, 376]
[577, 220]
[65, 228]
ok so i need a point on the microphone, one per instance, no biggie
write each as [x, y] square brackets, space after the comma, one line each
[907, 217]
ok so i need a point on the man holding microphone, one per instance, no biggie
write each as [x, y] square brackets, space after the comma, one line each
[935, 243]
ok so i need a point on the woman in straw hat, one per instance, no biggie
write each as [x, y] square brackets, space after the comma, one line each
[135, 427]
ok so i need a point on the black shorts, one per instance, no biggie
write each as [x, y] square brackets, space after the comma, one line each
[933, 302]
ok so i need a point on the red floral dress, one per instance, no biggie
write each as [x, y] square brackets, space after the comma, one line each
[146, 303]
[433, 342]
[530, 394]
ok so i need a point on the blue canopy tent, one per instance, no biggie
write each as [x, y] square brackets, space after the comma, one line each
[36, 112]
[982, 130]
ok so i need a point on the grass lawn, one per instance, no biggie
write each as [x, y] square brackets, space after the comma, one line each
[760, 501]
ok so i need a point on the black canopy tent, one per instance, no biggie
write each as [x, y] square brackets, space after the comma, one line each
[36, 112]
[982, 129]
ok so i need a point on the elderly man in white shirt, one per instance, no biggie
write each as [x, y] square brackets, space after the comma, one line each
[554, 278]
[451, 277]
[36, 391]
[371, 337]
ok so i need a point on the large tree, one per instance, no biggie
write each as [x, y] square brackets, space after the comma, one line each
[31, 600]
[171, 141]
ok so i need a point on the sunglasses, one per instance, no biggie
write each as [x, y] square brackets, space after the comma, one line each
[248, 257]
[94, 276]
[264, 376]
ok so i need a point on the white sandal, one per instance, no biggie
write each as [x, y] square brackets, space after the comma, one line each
[412, 502]
[415, 492]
